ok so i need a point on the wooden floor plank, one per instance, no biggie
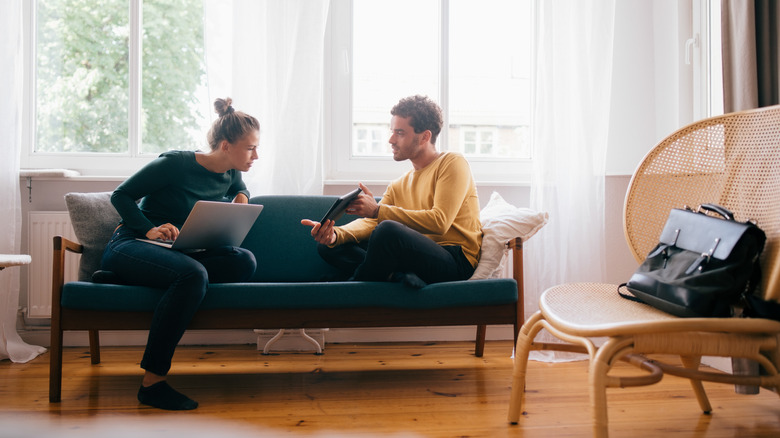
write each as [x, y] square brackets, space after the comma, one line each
[399, 389]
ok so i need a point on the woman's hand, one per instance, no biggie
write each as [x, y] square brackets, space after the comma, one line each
[163, 232]
[240, 199]
[322, 233]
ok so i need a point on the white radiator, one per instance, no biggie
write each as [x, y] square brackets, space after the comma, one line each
[42, 227]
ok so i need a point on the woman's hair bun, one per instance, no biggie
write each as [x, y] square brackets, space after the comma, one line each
[231, 128]
[224, 106]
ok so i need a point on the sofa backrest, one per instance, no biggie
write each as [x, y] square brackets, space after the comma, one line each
[284, 248]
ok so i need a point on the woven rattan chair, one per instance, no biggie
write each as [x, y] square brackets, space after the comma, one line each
[732, 160]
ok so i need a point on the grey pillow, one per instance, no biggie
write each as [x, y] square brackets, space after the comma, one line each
[94, 220]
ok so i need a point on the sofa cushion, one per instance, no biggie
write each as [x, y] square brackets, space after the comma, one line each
[94, 219]
[284, 248]
[334, 295]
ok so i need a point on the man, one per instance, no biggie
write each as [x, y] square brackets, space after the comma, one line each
[426, 228]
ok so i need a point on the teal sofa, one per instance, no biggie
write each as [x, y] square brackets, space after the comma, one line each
[286, 291]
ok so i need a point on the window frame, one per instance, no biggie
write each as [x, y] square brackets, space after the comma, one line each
[708, 79]
[102, 164]
[339, 163]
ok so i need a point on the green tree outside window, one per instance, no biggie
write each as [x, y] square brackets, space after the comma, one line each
[83, 75]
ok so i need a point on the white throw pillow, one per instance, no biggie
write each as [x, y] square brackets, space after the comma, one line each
[501, 222]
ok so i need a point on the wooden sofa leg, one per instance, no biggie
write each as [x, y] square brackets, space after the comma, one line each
[94, 346]
[55, 365]
[479, 349]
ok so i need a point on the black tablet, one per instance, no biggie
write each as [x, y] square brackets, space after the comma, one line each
[338, 207]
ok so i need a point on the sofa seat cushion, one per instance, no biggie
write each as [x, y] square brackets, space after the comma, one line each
[335, 295]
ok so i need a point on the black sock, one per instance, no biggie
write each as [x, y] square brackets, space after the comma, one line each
[408, 279]
[161, 395]
[106, 277]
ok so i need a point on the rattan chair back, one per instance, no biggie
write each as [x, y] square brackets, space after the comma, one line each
[732, 160]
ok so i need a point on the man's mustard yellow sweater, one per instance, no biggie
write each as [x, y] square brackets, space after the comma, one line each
[439, 201]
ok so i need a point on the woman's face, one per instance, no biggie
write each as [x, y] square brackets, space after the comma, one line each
[243, 152]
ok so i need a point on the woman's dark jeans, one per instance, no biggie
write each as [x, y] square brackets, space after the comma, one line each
[394, 247]
[185, 278]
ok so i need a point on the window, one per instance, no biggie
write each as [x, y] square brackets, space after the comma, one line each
[113, 84]
[473, 58]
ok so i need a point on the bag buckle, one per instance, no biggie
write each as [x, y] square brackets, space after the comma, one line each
[714, 247]
[703, 259]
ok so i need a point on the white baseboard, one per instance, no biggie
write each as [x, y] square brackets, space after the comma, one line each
[417, 334]
[238, 337]
[719, 363]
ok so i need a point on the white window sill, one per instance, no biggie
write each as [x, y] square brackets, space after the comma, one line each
[69, 174]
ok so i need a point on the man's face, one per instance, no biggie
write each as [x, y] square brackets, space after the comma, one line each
[403, 140]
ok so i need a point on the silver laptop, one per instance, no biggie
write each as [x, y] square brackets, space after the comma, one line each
[212, 224]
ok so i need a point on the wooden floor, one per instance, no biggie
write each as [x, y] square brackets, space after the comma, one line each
[395, 390]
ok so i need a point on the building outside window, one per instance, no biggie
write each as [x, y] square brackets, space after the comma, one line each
[370, 140]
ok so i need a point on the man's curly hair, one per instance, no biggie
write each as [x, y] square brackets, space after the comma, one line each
[423, 113]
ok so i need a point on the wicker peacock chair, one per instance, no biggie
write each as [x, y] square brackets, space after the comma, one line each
[732, 160]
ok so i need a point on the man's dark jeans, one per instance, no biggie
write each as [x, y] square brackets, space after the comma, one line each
[396, 248]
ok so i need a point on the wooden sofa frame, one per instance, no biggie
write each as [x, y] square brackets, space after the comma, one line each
[64, 319]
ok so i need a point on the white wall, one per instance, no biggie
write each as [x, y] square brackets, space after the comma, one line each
[652, 86]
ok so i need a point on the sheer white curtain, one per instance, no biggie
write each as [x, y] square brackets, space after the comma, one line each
[11, 345]
[573, 57]
[268, 56]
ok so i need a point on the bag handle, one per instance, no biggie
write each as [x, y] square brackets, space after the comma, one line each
[715, 208]
[627, 296]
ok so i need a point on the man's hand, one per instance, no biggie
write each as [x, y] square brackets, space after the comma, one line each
[365, 205]
[322, 233]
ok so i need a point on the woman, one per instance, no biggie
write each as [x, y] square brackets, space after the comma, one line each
[168, 188]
